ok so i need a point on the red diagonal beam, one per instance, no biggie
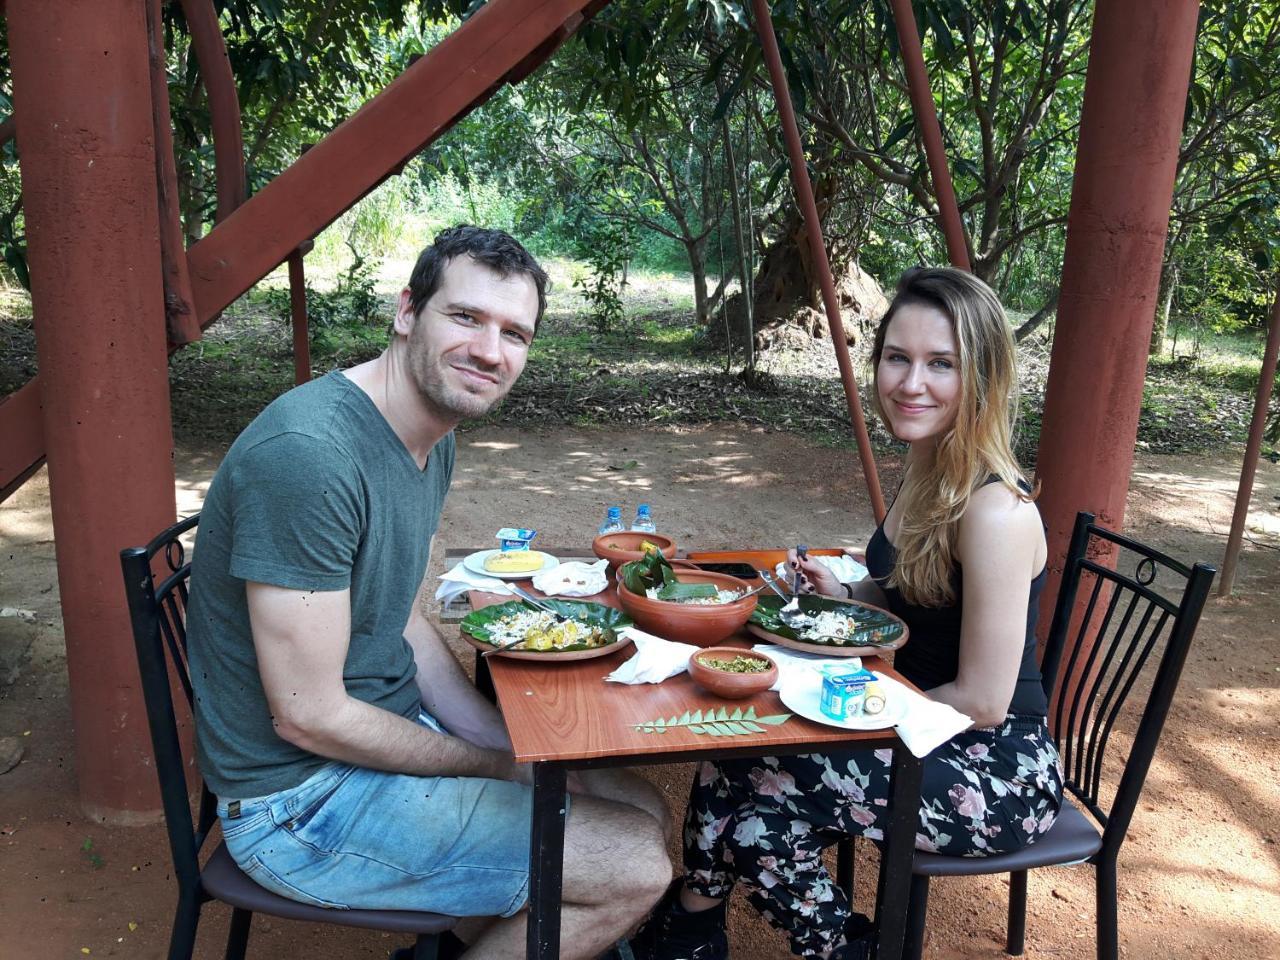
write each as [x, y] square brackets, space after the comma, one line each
[503, 42]
[21, 437]
[457, 74]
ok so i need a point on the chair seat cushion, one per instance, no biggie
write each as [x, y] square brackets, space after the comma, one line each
[224, 881]
[1072, 838]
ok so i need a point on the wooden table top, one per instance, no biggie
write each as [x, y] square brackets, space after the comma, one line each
[566, 710]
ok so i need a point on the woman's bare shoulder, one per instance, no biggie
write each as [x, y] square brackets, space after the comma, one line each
[997, 515]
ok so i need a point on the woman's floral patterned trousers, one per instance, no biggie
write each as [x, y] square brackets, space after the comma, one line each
[765, 821]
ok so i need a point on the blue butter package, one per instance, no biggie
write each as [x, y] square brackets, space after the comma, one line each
[844, 688]
[515, 538]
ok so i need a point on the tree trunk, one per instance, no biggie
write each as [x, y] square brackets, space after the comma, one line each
[1160, 329]
[698, 267]
[1034, 321]
[739, 246]
[786, 279]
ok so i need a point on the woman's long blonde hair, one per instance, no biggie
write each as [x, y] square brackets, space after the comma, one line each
[978, 445]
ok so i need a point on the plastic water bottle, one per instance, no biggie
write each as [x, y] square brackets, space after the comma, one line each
[612, 521]
[644, 520]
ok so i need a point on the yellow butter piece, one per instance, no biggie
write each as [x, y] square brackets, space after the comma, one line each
[514, 561]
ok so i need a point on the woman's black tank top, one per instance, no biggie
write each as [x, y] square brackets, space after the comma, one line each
[931, 656]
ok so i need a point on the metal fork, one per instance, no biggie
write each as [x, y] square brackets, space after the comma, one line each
[845, 642]
[792, 607]
[533, 601]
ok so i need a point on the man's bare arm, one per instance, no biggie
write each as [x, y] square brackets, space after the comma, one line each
[301, 639]
[447, 693]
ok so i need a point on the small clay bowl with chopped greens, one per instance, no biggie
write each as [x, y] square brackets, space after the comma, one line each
[732, 672]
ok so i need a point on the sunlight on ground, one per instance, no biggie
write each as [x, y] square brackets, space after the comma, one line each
[1184, 487]
[1226, 849]
[25, 527]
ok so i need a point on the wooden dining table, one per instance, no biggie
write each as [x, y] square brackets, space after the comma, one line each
[563, 715]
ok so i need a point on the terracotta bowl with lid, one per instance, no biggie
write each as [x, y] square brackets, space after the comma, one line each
[723, 683]
[701, 624]
[623, 547]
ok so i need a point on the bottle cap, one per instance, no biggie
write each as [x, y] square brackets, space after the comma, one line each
[642, 508]
[615, 511]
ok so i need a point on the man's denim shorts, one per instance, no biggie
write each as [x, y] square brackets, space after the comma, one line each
[353, 838]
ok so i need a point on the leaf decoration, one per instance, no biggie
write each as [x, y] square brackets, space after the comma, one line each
[874, 625]
[716, 723]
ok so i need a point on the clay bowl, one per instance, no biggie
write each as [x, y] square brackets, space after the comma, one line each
[731, 686]
[620, 548]
[701, 624]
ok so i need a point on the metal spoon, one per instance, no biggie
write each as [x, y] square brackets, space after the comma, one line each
[789, 613]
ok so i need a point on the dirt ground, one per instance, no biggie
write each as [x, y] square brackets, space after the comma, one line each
[1199, 874]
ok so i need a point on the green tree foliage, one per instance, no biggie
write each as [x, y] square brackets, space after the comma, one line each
[616, 149]
[1224, 237]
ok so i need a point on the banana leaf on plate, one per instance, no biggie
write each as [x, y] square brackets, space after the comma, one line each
[873, 625]
[478, 623]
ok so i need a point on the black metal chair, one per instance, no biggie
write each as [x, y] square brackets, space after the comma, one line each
[158, 614]
[1143, 631]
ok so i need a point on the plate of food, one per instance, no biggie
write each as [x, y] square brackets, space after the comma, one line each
[574, 630]
[834, 628]
[803, 696]
[509, 564]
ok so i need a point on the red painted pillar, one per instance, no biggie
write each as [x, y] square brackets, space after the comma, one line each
[1135, 91]
[83, 105]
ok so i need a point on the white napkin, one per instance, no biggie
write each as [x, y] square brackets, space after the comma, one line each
[574, 578]
[655, 659]
[925, 725]
[846, 569]
[460, 580]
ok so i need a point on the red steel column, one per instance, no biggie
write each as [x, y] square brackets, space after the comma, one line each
[818, 247]
[1135, 91]
[926, 115]
[82, 93]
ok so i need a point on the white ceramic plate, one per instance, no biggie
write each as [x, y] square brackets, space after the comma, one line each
[475, 563]
[805, 698]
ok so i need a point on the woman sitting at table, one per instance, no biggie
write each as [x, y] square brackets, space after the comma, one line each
[961, 558]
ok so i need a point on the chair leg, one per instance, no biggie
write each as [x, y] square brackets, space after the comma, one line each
[182, 940]
[238, 935]
[917, 911]
[845, 852]
[1107, 911]
[1016, 935]
[427, 947]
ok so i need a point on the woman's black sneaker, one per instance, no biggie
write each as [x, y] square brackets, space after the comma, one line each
[859, 939]
[673, 933]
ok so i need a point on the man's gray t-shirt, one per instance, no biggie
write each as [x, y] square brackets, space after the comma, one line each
[318, 493]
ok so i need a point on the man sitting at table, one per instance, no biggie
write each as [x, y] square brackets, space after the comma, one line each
[354, 763]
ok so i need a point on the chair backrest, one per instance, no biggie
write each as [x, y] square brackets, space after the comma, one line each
[1124, 652]
[157, 610]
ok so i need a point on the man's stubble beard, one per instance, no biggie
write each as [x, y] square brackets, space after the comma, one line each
[428, 370]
